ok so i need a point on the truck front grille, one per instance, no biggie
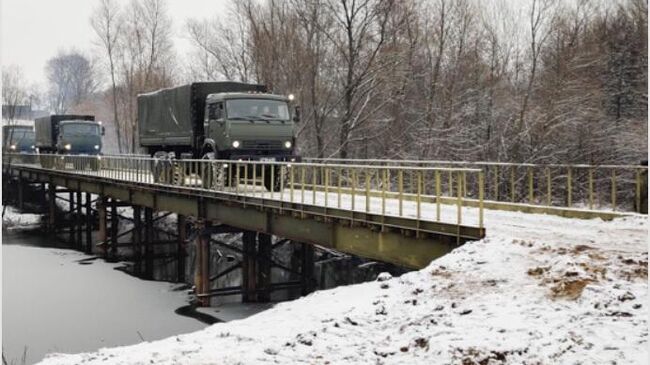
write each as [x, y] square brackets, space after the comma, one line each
[262, 145]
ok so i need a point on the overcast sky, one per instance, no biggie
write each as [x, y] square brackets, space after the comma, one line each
[34, 30]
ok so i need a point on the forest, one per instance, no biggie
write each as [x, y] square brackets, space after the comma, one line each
[538, 81]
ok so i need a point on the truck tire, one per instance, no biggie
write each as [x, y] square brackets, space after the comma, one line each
[94, 164]
[279, 182]
[161, 168]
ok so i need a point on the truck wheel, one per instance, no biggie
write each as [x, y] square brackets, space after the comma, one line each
[209, 181]
[94, 164]
[279, 182]
[161, 168]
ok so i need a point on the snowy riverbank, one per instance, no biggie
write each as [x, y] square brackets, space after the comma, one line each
[536, 290]
[14, 220]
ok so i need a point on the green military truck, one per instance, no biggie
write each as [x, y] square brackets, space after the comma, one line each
[18, 139]
[69, 135]
[215, 120]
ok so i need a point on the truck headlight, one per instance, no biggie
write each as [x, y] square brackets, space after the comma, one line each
[33, 146]
[68, 146]
[287, 144]
[12, 147]
[96, 146]
[235, 144]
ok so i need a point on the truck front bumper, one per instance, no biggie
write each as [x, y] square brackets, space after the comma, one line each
[265, 158]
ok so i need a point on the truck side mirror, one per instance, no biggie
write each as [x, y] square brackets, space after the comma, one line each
[103, 130]
[296, 114]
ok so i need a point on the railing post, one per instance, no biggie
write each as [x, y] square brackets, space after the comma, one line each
[531, 194]
[383, 191]
[419, 193]
[459, 202]
[368, 177]
[438, 193]
[613, 189]
[512, 184]
[354, 188]
[480, 199]
[569, 184]
[637, 195]
[591, 188]
[400, 187]
[496, 183]
[549, 192]
[338, 184]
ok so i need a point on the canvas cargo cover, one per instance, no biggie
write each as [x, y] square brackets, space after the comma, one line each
[174, 116]
[47, 128]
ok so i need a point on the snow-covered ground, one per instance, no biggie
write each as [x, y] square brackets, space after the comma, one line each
[537, 290]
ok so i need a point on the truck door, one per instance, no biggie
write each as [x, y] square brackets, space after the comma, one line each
[216, 126]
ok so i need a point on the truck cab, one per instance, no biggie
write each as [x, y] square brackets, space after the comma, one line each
[18, 139]
[79, 137]
[249, 126]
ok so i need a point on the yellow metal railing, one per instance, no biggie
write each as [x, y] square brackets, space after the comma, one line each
[413, 192]
[618, 188]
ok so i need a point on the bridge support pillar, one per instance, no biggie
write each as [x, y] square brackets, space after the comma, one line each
[264, 247]
[79, 222]
[115, 221]
[51, 205]
[43, 191]
[180, 253]
[71, 219]
[256, 267]
[148, 242]
[202, 272]
[307, 268]
[137, 240]
[21, 194]
[89, 225]
[249, 267]
[102, 229]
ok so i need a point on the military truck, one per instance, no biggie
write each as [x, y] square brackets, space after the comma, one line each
[69, 135]
[18, 139]
[215, 120]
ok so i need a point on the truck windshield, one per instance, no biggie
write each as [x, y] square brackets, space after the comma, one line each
[22, 135]
[253, 109]
[82, 129]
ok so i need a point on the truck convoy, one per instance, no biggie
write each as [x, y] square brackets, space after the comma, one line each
[69, 135]
[18, 139]
[215, 120]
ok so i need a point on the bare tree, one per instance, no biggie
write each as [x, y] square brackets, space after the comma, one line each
[146, 59]
[72, 78]
[107, 24]
[14, 92]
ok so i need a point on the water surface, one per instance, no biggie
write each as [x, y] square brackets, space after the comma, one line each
[52, 301]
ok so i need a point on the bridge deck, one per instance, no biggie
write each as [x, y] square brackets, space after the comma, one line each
[376, 228]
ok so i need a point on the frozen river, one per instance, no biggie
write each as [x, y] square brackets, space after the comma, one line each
[52, 301]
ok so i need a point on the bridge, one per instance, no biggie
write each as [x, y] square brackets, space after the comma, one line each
[402, 212]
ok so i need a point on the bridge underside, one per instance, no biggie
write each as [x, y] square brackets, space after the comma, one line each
[401, 241]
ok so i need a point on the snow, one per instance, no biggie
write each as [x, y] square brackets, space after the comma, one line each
[537, 290]
[15, 220]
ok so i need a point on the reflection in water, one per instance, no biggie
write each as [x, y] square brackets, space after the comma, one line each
[56, 300]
